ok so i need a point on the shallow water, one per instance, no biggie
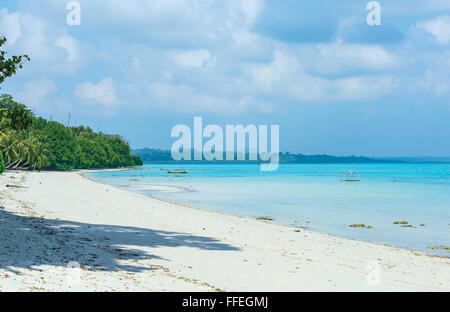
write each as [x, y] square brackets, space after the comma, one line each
[312, 196]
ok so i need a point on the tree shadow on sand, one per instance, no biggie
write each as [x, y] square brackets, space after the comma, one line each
[28, 242]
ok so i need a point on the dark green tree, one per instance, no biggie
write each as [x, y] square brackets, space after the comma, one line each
[27, 142]
[2, 164]
[14, 115]
[9, 66]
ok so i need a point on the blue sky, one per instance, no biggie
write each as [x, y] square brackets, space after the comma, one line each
[334, 84]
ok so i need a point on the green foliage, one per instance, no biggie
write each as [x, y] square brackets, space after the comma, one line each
[14, 115]
[2, 164]
[9, 66]
[28, 142]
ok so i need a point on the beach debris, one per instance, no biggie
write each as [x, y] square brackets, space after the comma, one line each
[265, 219]
[401, 222]
[407, 226]
[15, 186]
[422, 224]
[439, 247]
[360, 225]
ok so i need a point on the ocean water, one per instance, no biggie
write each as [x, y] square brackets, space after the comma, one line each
[312, 196]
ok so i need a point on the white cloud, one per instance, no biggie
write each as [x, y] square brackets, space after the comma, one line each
[69, 44]
[357, 88]
[194, 59]
[136, 64]
[35, 93]
[286, 78]
[167, 22]
[103, 92]
[51, 48]
[192, 55]
[251, 9]
[438, 27]
[10, 26]
[338, 58]
[437, 82]
[182, 98]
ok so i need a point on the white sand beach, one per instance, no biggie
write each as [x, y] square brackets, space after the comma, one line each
[126, 241]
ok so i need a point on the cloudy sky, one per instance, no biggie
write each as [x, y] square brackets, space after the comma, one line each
[333, 83]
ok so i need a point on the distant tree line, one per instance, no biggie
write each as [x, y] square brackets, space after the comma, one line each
[149, 155]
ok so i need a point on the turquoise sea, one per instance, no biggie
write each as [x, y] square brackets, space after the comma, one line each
[312, 196]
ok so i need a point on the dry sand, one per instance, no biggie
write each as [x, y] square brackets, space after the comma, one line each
[126, 241]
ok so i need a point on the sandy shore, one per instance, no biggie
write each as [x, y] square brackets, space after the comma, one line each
[125, 241]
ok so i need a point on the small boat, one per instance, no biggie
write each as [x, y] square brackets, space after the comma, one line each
[350, 177]
[179, 172]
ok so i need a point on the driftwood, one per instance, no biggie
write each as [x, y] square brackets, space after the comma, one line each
[15, 186]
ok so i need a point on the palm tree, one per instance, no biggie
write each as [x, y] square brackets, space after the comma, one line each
[40, 155]
[23, 148]
[18, 150]
[6, 148]
[2, 124]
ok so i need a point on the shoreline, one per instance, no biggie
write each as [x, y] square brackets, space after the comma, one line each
[169, 189]
[177, 247]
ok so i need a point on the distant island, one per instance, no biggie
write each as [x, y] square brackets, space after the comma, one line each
[149, 155]
[423, 159]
